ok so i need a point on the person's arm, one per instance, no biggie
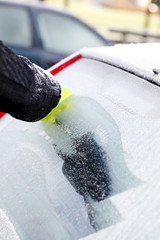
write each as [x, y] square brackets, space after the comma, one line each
[27, 92]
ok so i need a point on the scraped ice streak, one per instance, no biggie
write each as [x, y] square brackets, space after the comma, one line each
[7, 231]
[87, 116]
[68, 205]
[36, 196]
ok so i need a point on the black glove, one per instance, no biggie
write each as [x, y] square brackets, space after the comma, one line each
[27, 92]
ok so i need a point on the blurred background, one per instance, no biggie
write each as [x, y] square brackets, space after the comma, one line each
[46, 31]
[119, 20]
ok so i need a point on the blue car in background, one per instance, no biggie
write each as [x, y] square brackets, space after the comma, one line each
[44, 34]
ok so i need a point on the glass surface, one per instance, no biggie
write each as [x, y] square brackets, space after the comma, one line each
[131, 140]
[93, 166]
[65, 35]
[15, 26]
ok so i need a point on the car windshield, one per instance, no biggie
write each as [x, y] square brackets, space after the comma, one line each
[66, 177]
[64, 34]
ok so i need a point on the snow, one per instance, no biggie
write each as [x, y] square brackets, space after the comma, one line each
[35, 195]
[120, 113]
[24, 196]
[136, 58]
[7, 231]
[50, 86]
[133, 106]
[140, 59]
[138, 207]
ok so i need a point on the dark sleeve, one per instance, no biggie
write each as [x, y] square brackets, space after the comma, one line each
[27, 92]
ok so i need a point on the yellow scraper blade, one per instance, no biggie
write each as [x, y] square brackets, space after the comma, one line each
[63, 104]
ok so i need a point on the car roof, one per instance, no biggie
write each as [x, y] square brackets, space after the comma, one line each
[142, 60]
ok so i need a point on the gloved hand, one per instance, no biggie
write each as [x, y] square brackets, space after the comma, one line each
[27, 92]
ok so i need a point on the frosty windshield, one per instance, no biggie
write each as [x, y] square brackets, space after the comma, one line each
[94, 166]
